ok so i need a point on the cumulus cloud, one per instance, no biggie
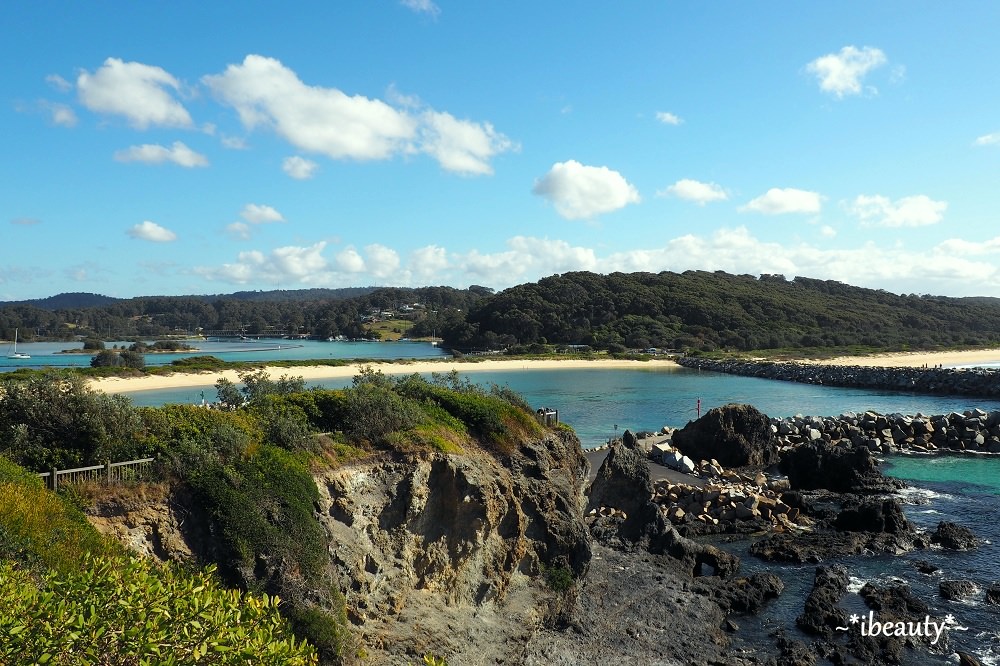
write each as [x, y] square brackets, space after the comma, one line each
[299, 168]
[284, 265]
[329, 122]
[988, 139]
[843, 73]
[779, 201]
[422, 7]
[382, 262]
[578, 191]
[151, 231]
[260, 214]
[526, 258]
[238, 230]
[426, 263]
[668, 118]
[462, 146]
[151, 153]
[826, 231]
[915, 211]
[349, 260]
[696, 191]
[141, 93]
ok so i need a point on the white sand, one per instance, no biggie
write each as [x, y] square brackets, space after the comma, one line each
[918, 359]
[184, 380]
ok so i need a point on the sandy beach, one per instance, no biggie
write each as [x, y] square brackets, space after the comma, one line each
[184, 380]
[917, 359]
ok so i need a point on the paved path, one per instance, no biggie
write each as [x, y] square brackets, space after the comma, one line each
[656, 470]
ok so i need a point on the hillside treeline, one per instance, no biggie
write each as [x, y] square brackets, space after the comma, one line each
[310, 312]
[698, 310]
[694, 310]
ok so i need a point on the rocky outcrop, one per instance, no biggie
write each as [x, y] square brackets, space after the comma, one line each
[734, 435]
[840, 469]
[423, 545]
[873, 516]
[822, 613]
[956, 590]
[954, 536]
[623, 483]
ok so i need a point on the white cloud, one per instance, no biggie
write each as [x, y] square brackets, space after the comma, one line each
[578, 191]
[349, 260]
[234, 142]
[329, 122]
[428, 262]
[134, 90]
[284, 265]
[988, 139]
[696, 191]
[842, 73]
[462, 146]
[151, 231]
[259, 214]
[58, 83]
[61, 114]
[527, 258]
[422, 6]
[26, 221]
[299, 168]
[668, 118]
[322, 120]
[826, 231]
[152, 153]
[915, 211]
[778, 201]
[239, 230]
[382, 262]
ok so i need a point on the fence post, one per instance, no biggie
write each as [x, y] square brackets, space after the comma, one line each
[107, 470]
[55, 479]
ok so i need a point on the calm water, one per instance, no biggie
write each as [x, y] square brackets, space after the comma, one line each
[47, 354]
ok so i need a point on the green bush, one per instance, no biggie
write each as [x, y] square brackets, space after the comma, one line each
[122, 611]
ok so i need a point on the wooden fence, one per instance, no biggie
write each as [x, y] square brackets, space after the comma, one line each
[109, 472]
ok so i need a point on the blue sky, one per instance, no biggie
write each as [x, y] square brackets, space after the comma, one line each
[182, 148]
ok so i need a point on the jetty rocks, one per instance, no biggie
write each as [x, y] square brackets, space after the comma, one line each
[981, 382]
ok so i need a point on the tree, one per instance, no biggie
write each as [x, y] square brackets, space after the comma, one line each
[106, 358]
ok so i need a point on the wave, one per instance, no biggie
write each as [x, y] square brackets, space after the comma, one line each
[917, 495]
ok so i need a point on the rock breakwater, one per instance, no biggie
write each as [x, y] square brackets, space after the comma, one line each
[982, 382]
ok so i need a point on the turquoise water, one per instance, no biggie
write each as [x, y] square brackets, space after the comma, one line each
[595, 400]
[980, 474]
[47, 354]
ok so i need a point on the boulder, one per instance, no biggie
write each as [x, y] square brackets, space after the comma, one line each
[956, 590]
[877, 516]
[622, 482]
[993, 594]
[735, 435]
[954, 536]
[838, 469]
[821, 613]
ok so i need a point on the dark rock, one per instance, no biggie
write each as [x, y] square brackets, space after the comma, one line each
[885, 516]
[993, 594]
[793, 652]
[954, 536]
[956, 590]
[821, 613]
[623, 483]
[893, 603]
[835, 468]
[735, 435]
[893, 600]
[748, 594]
[700, 559]
[966, 659]
[925, 567]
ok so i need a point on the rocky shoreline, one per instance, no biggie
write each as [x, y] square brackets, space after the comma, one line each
[981, 382]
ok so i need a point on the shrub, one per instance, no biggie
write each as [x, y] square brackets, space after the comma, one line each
[123, 611]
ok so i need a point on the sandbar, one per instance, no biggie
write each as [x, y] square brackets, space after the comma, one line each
[180, 380]
[947, 359]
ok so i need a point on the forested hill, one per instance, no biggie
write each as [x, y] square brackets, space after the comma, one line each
[703, 310]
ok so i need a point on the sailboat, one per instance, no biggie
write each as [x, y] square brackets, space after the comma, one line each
[14, 353]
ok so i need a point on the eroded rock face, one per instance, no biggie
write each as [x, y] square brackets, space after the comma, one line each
[425, 544]
[149, 526]
[623, 482]
[954, 536]
[735, 435]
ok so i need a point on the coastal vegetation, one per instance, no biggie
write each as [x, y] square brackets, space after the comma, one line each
[244, 475]
[693, 311]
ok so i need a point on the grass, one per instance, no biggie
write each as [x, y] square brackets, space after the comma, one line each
[390, 329]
